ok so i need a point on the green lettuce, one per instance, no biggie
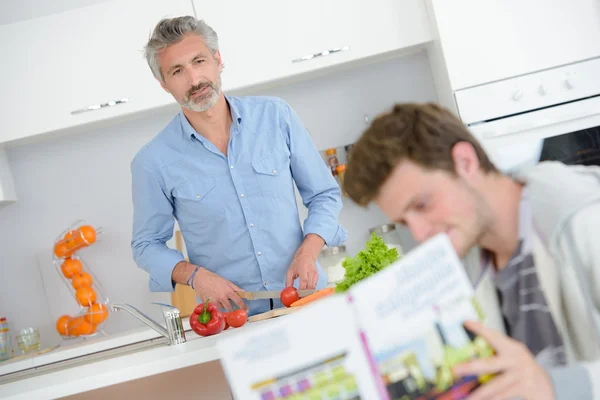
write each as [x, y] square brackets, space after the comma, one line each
[373, 258]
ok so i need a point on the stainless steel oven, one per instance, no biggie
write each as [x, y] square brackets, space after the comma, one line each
[552, 114]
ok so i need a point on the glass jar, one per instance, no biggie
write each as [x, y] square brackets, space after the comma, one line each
[389, 235]
[331, 260]
[28, 340]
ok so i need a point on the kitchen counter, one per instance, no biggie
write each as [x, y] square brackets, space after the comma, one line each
[118, 369]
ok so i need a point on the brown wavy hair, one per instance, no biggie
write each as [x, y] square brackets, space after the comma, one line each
[422, 133]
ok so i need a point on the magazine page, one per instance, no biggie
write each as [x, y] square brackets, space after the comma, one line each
[315, 354]
[412, 313]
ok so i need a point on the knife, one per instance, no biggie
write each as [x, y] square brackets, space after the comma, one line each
[271, 294]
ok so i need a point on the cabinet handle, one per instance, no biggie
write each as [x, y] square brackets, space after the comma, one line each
[99, 106]
[321, 54]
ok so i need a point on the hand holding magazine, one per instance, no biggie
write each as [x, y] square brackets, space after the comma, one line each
[395, 335]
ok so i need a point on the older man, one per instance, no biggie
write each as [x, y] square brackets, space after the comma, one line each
[225, 168]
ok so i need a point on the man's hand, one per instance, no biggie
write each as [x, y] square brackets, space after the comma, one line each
[209, 285]
[518, 373]
[304, 264]
[304, 267]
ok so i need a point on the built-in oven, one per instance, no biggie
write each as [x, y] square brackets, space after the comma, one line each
[552, 114]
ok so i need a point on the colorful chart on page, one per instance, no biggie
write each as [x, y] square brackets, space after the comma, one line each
[326, 380]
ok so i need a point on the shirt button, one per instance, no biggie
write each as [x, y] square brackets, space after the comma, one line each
[274, 171]
[231, 166]
[242, 195]
[197, 196]
[251, 225]
[266, 283]
[259, 254]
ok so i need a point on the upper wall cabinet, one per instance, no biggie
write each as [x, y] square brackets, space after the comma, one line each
[80, 66]
[323, 33]
[268, 40]
[485, 41]
[252, 36]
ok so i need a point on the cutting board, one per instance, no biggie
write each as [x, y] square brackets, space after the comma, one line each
[273, 313]
[184, 297]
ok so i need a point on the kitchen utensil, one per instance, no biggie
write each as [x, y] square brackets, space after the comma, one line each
[271, 294]
[273, 313]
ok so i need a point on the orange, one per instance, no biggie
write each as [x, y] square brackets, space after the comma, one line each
[71, 267]
[61, 249]
[81, 280]
[68, 236]
[62, 324]
[97, 314]
[86, 296]
[80, 326]
[89, 234]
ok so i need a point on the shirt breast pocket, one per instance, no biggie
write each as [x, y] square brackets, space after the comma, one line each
[197, 203]
[272, 173]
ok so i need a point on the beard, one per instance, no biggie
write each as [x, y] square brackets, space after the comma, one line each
[204, 101]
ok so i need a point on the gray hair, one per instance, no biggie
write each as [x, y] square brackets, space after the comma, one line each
[171, 31]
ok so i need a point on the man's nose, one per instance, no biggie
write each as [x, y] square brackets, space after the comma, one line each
[193, 77]
[420, 229]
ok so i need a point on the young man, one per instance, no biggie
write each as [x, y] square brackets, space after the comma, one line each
[225, 168]
[534, 236]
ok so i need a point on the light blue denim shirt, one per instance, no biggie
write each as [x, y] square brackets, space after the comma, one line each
[237, 213]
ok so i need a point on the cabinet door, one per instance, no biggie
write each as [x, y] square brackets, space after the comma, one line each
[391, 25]
[61, 63]
[484, 41]
[321, 32]
[252, 39]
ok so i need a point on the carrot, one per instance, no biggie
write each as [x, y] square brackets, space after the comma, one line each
[319, 294]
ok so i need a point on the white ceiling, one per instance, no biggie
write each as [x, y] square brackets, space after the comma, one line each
[19, 10]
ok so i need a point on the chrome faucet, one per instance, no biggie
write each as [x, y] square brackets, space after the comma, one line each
[174, 331]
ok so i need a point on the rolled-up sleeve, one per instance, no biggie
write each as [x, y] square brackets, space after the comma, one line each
[152, 227]
[320, 192]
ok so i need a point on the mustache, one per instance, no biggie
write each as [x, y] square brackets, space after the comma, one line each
[199, 87]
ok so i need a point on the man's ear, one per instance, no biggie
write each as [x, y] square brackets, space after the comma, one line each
[219, 60]
[163, 85]
[466, 162]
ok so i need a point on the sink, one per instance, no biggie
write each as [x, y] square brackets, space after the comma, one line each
[84, 359]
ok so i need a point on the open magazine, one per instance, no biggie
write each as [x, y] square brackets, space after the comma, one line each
[395, 335]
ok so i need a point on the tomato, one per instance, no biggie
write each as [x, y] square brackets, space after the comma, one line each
[226, 324]
[236, 318]
[288, 296]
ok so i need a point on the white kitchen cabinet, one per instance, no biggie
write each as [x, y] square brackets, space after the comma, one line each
[390, 25]
[362, 28]
[317, 29]
[267, 40]
[84, 57]
[252, 37]
[485, 41]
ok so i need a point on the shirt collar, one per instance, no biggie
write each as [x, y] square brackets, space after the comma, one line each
[190, 132]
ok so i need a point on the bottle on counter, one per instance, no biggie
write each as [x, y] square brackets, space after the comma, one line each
[389, 235]
[5, 347]
[331, 259]
[341, 170]
[332, 160]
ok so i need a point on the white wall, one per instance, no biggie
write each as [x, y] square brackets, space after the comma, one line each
[86, 176]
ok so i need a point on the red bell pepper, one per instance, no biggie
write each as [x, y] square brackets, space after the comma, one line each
[206, 319]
